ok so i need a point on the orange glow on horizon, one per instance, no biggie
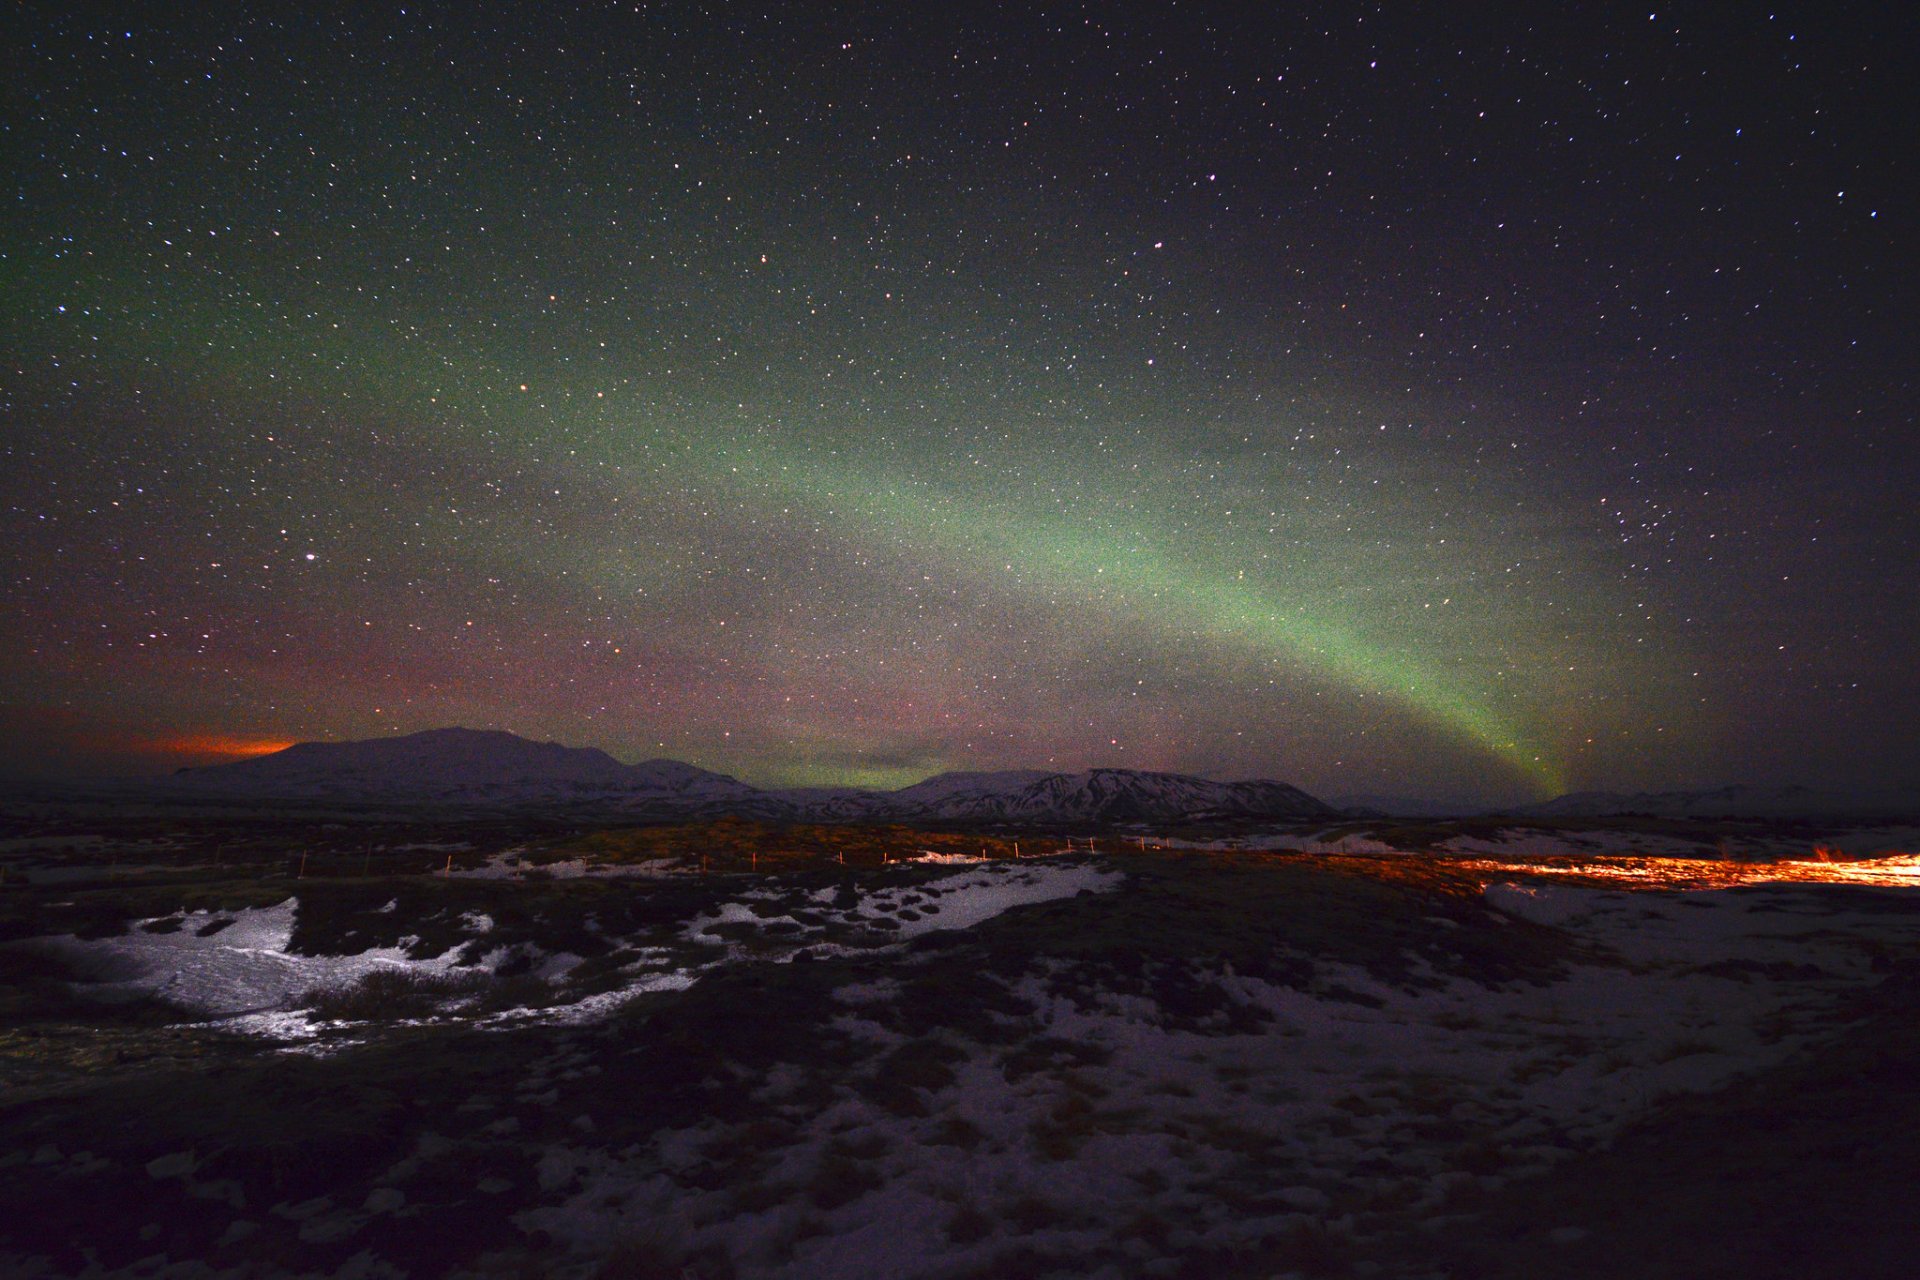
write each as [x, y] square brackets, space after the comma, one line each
[225, 746]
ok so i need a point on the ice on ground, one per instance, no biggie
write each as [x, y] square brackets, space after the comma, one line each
[236, 965]
[1353, 1102]
[957, 901]
[961, 901]
[1099, 1127]
[242, 968]
[595, 1007]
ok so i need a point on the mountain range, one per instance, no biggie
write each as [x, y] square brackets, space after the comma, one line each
[498, 769]
[495, 769]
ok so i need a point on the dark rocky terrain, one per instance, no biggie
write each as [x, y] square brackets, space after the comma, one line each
[366, 1042]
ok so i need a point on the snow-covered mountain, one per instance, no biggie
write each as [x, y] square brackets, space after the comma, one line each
[437, 764]
[495, 768]
[483, 767]
[826, 804]
[941, 796]
[963, 787]
[673, 780]
[1034, 796]
[477, 766]
[1105, 795]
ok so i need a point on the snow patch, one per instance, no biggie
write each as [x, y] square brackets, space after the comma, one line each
[961, 901]
[242, 969]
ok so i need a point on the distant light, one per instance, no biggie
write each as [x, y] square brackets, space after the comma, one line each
[212, 744]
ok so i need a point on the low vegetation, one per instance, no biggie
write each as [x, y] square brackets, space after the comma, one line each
[1238, 1063]
[388, 995]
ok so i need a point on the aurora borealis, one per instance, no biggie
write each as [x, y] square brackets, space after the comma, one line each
[1381, 402]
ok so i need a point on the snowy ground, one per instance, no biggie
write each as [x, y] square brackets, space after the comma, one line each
[239, 967]
[234, 966]
[1051, 1067]
[1352, 1105]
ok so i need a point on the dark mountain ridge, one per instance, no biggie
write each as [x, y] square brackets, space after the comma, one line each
[495, 768]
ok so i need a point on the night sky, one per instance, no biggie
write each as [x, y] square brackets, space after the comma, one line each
[1482, 404]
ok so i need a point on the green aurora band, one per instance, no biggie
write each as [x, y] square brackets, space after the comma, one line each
[179, 330]
[1120, 574]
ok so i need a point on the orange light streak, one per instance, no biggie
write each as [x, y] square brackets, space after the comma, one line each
[226, 746]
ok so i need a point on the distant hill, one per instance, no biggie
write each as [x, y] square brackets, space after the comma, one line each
[457, 765]
[493, 768]
[1732, 802]
[1130, 795]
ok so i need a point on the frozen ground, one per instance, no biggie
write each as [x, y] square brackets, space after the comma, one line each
[240, 967]
[1087, 1067]
[234, 966]
[1345, 1106]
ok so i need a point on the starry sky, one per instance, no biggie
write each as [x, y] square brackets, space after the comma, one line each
[1380, 398]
